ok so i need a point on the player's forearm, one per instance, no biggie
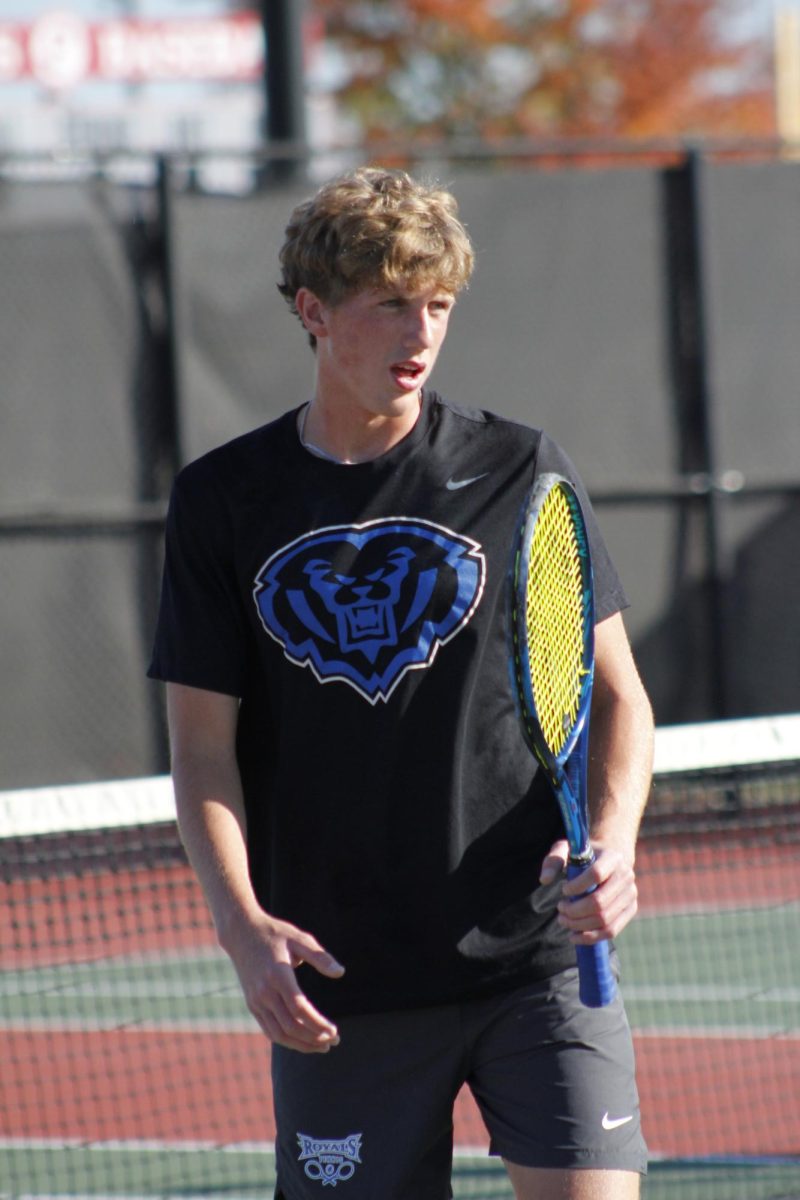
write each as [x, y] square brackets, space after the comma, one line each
[212, 824]
[620, 769]
[263, 950]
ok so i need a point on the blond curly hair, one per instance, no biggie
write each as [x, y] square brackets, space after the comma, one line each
[374, 228]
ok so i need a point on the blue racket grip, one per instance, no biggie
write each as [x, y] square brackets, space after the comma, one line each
[597, 985]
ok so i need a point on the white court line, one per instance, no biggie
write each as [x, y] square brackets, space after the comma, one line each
[739, 1033]
[135, 1144]
[68, 1025]
[711, 992]
[30, 984]
[187, 1147]
[710, 908]
[762, 1032]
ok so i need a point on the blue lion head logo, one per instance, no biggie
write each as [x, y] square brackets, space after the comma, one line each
[366, 603]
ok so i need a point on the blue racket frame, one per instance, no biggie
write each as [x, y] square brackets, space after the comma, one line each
[567, 770]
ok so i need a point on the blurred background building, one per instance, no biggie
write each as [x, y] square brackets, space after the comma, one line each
[100, 75]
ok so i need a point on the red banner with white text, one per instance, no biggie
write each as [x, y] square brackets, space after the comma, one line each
[61, 50]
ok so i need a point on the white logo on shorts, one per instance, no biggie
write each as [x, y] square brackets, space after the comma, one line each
[614, 1122]
[329, 1161]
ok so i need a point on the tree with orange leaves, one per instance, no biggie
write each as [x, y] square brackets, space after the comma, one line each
[493, 69]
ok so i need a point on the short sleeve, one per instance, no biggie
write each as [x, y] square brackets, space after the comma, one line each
[201, 633]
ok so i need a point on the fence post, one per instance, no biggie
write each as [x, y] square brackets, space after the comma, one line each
[284, 86]
[155, 407]
[166, 262]
[693, 394]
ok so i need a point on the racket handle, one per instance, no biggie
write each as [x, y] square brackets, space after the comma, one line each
[597, 985]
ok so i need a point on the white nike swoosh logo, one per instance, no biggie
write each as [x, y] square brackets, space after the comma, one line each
[453, 485]
[614, 1122]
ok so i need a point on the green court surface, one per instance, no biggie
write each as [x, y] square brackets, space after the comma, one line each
[193, 1172]
[723, 1181]
[666, 982]
[731, 984]
[156, 1172]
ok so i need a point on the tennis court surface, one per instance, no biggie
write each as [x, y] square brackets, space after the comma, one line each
[131, 1068]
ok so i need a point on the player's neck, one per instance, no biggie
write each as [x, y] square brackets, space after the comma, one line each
[353, 434]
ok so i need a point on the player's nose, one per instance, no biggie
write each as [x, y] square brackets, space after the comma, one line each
[419, 329]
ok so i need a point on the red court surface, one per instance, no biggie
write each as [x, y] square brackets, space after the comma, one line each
[111, 1085]
[161, 909]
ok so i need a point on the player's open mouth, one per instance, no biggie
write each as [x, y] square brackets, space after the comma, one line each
[407, 374]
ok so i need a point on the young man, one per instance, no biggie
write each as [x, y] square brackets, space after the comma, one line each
[382, 859]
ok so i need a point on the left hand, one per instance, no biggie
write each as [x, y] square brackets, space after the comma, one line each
[602, 913]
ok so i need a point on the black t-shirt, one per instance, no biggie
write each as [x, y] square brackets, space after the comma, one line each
[359, 613]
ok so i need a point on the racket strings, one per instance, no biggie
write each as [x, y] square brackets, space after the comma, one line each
[555, 618]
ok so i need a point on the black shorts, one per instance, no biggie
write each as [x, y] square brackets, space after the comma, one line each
[372, 1118]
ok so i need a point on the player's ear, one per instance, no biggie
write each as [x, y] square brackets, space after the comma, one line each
[312, 312]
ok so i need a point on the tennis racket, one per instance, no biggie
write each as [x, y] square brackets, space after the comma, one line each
[551, 626]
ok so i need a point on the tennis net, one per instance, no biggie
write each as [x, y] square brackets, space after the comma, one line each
[129, 1066]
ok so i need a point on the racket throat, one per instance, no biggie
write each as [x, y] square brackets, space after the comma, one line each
[579, 862]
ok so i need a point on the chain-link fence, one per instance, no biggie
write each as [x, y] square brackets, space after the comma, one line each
[645, 316]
